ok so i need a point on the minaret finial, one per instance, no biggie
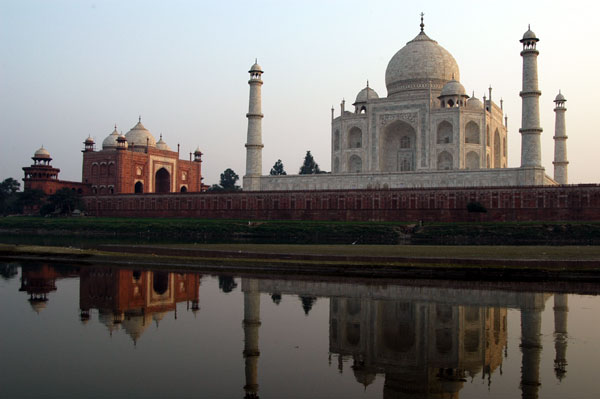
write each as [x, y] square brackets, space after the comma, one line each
[140, 118]
[256, 60]
[528, 26]
[422, 24]
[115, 126]
[368, 83]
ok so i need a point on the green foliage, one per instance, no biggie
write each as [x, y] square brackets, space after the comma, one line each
[9, 196]
[31, 198]
[228, 180]
[63, 201]
[277, 169]
[476, 207]
[309, 166]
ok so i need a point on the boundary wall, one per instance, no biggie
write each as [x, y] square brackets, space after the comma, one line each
[535, 203]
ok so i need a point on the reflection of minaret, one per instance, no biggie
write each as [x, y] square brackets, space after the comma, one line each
[531, 347]
[251, 325]
[561, 311]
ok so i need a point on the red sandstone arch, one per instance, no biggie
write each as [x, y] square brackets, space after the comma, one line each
[162, 181]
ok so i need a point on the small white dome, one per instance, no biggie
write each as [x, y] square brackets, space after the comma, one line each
[41, 153]
[161, 145]
[198, 151]
[89, 140]
[560, 97]
[529, 35]
[453, 88]
[366, 93]
[139, 136]
[255, 67]
[474, 103]
[110, 142]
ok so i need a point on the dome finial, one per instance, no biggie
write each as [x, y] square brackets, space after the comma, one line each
[422, 24]
[140, 119]
[367, 82]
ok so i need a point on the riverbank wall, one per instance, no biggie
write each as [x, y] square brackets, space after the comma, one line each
[487, 204]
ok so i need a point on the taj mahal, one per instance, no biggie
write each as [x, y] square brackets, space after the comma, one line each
[428, 132]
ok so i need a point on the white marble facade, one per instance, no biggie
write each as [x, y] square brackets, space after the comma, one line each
[426, 133]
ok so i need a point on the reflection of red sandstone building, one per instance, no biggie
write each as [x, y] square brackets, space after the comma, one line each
[39, 281]
[133, 299]
[131, 163]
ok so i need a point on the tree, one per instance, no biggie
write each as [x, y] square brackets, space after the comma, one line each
[64, 201]
[277, 169]
[31, 198]
[228, 180]
[309, 166]
[8, 196]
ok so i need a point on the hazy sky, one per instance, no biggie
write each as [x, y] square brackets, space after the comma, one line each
[69, 69]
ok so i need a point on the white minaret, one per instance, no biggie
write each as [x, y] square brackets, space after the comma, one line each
[254, 145]
[531, 150]
[560, 141]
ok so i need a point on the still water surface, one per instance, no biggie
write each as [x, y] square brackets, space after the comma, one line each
[94, 331]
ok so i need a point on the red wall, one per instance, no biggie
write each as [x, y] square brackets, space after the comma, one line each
[573, 202]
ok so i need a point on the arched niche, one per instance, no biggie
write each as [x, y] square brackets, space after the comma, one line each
[497, 150]
[160, 282]
[162, 181]
[336, 165]
[139, 187]
[397, 147]
[444, 133]
[444, 161]
[472, 133]
[355, 138]
[355, 164]
[472, 160]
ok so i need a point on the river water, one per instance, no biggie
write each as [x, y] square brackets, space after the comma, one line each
[103, 331]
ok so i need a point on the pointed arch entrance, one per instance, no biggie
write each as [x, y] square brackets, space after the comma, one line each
[162, 181]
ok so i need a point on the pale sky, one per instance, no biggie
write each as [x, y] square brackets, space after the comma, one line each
[69, 69]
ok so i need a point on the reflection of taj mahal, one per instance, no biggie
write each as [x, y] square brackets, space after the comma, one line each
[426, 341]
[424, 349]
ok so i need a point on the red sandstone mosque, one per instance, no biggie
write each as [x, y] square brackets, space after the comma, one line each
[126, 164]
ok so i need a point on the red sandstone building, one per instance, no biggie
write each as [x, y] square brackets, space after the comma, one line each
[126, 164]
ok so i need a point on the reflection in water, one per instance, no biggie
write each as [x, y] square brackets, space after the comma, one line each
[132, 299]
[425, 342]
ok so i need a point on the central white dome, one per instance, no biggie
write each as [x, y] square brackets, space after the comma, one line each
[139, 135]
[421, 61]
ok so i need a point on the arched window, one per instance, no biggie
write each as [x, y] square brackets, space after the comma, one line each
[405, 142]
[355, 138]
[103, 169]
[444, 133]
[111, 169]
[111, 190]
[162, 181]
[355, 164]
[444, 161]
[488, 161]
[472, 160]
[336, 165]
[139, 187]
[95, 170]
[472, 133]
[183, 189]
[487, 136]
